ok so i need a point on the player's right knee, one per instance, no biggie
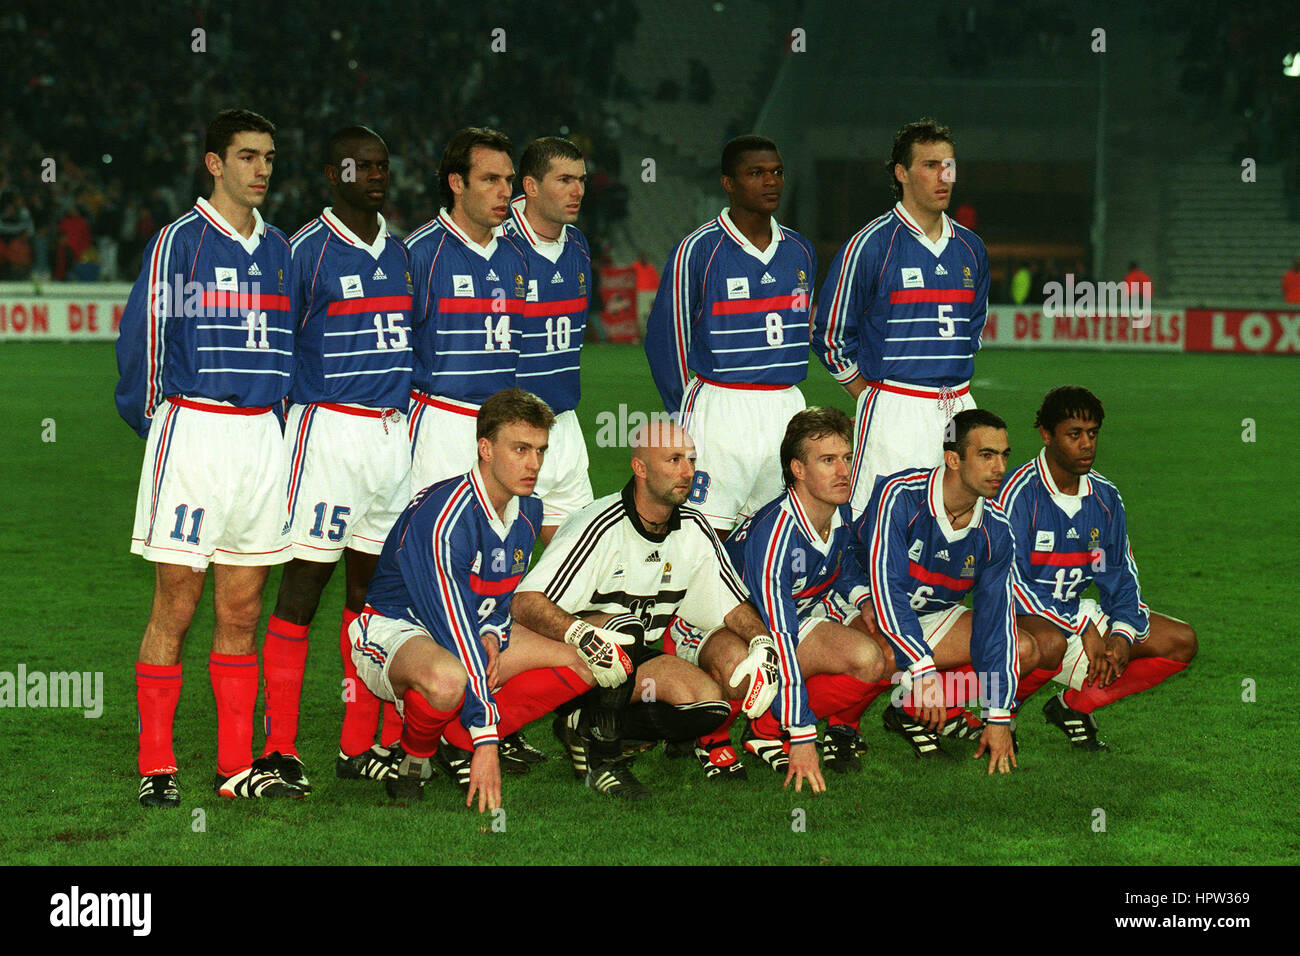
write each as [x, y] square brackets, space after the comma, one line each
[1027, 650]
[1051, 644]
[443, 687]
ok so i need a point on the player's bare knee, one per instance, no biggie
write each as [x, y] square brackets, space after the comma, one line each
[442, 686]
[1027, 649]
[239, 612]
[1051, 649]
[1185, 644]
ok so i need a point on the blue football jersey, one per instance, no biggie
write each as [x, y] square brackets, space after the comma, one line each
[730, 313]
[917, 564]
[789, 570]
[209, 317]
[1066, 542]
[555, 311]
[354, 316]
[897, 306]
[450, 565]
[468, 312]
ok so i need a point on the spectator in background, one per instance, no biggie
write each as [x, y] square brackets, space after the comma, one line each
[1291, 282]
[1133, 282]
[647, 283]
[967, 216]
[17, 230]
[1022, 282]
[74, 242]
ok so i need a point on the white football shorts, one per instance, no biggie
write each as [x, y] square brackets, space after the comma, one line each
[1074, 665]
[375, 641]
[443, 442]
[564, 483]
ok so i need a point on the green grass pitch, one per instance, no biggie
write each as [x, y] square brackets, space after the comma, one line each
[1197, 774]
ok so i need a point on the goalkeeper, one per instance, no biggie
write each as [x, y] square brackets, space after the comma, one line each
[620, 569]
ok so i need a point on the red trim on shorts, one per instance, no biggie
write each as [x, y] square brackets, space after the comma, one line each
[918, 391]
[350, 410]
[219, 409]
[747, 386]
[445, 406]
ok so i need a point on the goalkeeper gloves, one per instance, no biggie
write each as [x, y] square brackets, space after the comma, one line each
[603, 651]
[762, 667]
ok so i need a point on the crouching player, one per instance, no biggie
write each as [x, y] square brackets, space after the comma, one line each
[1071, 531]
[793, 555]
[620, 569]
[929, 538]
[437, 610]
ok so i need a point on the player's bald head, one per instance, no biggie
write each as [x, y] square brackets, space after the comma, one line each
[659, 435]
[343, 143]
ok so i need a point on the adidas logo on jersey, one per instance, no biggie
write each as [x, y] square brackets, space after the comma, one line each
[653, 556]
[939, 270]
[492, 276]
[253, 270]
[379, 274]
[943, 555]
[1072, 534]
[556, 279]
[766, 279]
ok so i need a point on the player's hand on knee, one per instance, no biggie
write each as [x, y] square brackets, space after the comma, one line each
[492, 648]
[1095, 648]
[485, 778]
[996, 739]
[804, 766]
[603, 651]
[1118, 653]
[761, 669]
[927, 699]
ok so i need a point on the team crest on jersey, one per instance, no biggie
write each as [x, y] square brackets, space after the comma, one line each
[410, 286]
[803, 280]
[462, 286]
[279, 274]
[519, 286]
[532, 291]
[227, 279]
[966, 279]
[912, 278]
[738, 288]
[668, 573]
[520, 564]
[1094, 540]
[351, 287]
[968, 569]
[914, 552]
[1045, 541]
[582, 282]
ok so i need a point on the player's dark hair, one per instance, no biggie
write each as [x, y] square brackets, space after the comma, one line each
[340, 141]
[809, 425]
[456, 157]
[536, 161]
[508, 406]
[924, 130]
[226, 124]
[956, 434]
[1068, 401]
[732, 152]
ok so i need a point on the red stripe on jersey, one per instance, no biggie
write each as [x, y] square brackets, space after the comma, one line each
[817, 589]
[382, 303]
[479, 305]
[932, 295]
[556, 307]
[493, 588]
[740, 306]
[244, 300]
[934, 577]
[1059, 559]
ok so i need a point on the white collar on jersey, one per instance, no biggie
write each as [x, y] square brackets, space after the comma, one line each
[496, 522]
[528, 232]
[730, 229]
[486, 252]
[250, 244]
[375, 248]
[794, 506]
[934, 494]
[945, 223]
[1070, 504]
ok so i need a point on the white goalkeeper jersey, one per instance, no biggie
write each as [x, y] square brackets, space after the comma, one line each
[603, 559]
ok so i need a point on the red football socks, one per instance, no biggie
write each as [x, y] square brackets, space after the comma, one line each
[523, 699]
[390, 730]
[424, 725]
[723, 734]
[157, 691]
[234, 685]
[833, 693]
[851, 716]
[284, 658]
[360, 706]
[1140, 674]
[1031, 682]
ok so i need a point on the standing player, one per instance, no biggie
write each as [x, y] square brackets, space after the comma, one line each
[618, 571]
[469, 299]
[554, 177]
[1071, 531]
[931, 537]
[793, 556]
[733, 308]
[204, 355]
[438, 607]
[901, 314]
[348, 449]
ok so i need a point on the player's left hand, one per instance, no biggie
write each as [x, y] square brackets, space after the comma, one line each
[485, 778]
[996, 739]
[804, 766]
[1097, 649]
[492, 649]
[1118, 653]
[761, 666]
